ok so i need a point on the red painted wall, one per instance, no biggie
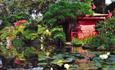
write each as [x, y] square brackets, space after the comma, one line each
[85, 27]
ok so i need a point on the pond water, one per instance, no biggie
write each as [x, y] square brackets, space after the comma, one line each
[94, 64]
[108, 67]
[108, 64]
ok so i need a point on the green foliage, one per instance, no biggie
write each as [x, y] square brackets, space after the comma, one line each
[4, 51]
[29, 35]
[88, 1]
[57, 33]
[3, 35]
[63, 9]
[5, 32]
[18, 42]
[9, 20]
[60, 36]
[97, 62]
[14, 10]
[106, 31]
[76, 41]
[24, 5]
[10, 53]
[29, 51]
[41, 29]
[96, 42]
[18, 16]
[5, 22]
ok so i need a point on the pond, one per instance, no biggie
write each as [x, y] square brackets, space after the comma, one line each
[58, 59]
[108, 67]
[97, 63]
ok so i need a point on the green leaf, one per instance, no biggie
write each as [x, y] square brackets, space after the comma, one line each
[18, 43]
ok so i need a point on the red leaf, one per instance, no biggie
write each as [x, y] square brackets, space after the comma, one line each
[109, 14]
[93, 6]
[20, 22]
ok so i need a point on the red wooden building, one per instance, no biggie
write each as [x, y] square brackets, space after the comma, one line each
[85, 26]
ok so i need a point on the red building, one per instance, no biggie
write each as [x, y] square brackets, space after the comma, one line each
[85, 26]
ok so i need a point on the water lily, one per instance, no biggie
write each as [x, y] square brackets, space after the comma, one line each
[51, 68]
[66, 66]
[104, 56]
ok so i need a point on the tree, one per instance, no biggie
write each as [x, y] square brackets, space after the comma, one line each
[24, 5]
[20, 9]
[106, 37]
[64, 12]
